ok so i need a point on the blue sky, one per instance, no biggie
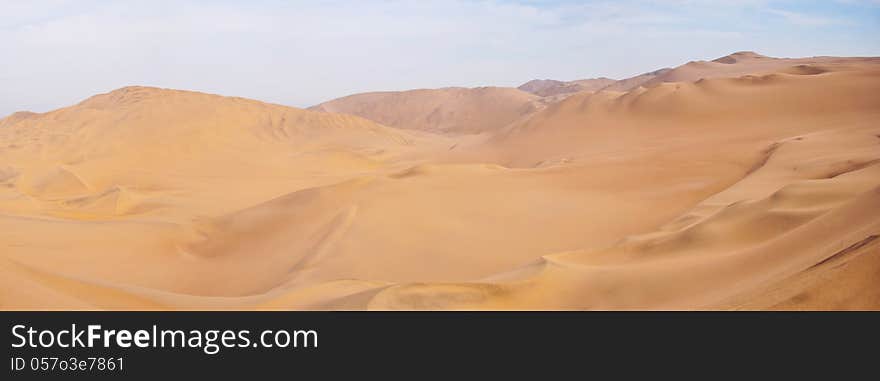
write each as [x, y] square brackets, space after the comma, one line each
[54, 53]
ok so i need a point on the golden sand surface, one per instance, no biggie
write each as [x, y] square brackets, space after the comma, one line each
[747, 182]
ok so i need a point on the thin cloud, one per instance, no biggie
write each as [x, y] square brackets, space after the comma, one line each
[797, 18]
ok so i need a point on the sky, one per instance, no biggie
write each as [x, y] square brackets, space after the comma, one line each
[54, 53]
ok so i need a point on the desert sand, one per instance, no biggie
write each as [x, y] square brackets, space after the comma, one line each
[744, 182]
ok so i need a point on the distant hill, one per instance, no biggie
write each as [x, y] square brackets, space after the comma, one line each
[453, 110]
[550, 87]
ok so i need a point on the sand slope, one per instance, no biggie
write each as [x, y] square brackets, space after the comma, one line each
[732, 191]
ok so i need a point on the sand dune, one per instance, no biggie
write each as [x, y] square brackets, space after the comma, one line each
[749, 63]
[746, 182]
